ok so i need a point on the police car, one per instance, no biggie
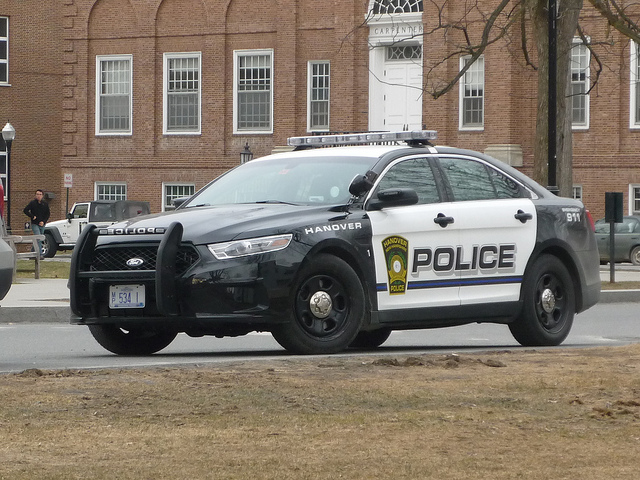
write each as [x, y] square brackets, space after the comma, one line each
[331, 248]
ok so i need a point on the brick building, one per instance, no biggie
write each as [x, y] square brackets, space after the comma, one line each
[153, 98]
[30, 99]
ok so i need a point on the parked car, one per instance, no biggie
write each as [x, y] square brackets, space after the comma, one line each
[7, 261]
[330, 248]
[626, 242]
[63, 234]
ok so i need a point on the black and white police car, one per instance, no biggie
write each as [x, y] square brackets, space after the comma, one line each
[330, 248]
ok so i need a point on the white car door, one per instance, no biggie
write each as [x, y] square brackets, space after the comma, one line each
[70, 230]
[414, 256]
[497, 224]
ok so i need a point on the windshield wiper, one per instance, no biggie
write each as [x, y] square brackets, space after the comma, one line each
[199, 205]
[275, 201]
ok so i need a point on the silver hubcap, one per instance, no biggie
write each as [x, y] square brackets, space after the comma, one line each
[548, 301]
[320, 304]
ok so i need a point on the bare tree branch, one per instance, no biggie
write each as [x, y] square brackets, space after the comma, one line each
[617, 18]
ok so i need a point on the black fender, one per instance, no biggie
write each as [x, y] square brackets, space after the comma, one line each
[55, 233]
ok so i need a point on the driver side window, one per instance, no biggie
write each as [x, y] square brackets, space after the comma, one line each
[81, 211]
[416, 174]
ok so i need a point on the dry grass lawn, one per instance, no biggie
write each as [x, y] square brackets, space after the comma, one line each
[526, 414]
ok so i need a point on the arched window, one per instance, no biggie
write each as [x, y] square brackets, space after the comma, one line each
[397, 6]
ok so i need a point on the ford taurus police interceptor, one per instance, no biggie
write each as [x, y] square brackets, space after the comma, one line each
[330, 248]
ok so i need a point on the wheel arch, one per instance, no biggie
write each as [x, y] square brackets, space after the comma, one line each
[633, 247]
[55, 233]
[570, 262]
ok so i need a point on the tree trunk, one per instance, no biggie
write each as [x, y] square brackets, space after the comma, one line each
[568, 13]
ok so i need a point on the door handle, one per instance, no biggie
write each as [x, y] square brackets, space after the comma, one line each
[443, 220]
[522, 216]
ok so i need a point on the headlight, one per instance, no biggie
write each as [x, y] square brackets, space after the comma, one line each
[250, 246]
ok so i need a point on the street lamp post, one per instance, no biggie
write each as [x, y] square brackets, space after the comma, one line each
[552, 181]
[246, 155]
[8, 134]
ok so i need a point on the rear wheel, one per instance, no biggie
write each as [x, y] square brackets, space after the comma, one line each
[328, 305]
[134, 341]
[549, 304]
[635, 255]
[372, 339]
[49, 246]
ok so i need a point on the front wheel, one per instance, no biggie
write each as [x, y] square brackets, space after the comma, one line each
[134, 341]
[327, 308]
[49, 246]
[549, 304]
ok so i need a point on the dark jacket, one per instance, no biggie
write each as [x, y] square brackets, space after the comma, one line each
[40, 210]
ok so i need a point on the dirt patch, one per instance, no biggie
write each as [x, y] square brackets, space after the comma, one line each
[560, 413]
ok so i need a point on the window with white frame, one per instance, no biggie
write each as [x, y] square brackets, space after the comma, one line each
[253, 91]
[4, 49]
[472, 95]
[634, 199]
[318, 96]
[111, 191]
[113, 94]
[634, 118]
[580, 57]
[182, 92]
[171, 191]
[577, 192]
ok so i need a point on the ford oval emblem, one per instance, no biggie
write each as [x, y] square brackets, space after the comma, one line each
[135, 262]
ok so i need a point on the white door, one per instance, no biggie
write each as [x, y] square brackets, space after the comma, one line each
[497, 230]
[403, 95]
[414, 255]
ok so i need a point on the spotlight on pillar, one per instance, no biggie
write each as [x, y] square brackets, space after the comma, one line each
[246, 155]
[8, 134]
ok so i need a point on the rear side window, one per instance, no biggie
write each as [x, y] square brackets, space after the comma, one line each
[415, 173]
[628, 225]
[473, 180]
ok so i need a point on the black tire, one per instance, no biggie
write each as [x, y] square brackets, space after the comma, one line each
[49, 246]
[372, 339]
[338, 296]
[635, 255]
[549, 304]
[131, 342]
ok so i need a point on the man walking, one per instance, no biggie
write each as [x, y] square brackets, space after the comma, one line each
[38, 212]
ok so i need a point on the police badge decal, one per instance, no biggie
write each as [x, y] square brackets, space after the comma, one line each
[396, 252]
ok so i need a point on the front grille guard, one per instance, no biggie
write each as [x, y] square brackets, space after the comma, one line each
[166, 273]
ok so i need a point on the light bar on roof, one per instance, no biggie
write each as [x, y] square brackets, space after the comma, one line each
[416, 136]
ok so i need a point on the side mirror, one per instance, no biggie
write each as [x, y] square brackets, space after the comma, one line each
[69, 216]
[393, 197]
[179, 201]
[362, 183]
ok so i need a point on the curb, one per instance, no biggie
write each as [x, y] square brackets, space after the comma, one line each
[63, 314]
[619, 296]
[35, 314]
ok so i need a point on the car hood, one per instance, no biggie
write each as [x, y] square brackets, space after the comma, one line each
[203, 225]
[56, 223]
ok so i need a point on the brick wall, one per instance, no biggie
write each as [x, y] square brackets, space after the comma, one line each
[52, 98]
[31, 102]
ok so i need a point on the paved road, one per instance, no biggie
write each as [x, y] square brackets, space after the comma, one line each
[63, 346]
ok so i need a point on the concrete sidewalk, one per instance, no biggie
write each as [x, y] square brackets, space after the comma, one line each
[47, 300]
[33, 301]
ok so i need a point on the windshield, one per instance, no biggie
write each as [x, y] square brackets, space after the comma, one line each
[300, 181]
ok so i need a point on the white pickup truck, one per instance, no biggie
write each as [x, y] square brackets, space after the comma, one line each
[63, 234]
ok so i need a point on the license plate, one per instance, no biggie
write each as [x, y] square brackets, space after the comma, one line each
[126, 296]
